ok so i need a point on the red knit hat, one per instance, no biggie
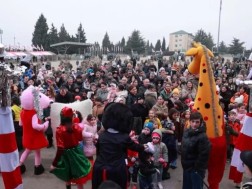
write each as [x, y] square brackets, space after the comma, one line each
[155, 135]
[66, 112]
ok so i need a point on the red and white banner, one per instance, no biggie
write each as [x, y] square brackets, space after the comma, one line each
[244, 142]
[9, 157]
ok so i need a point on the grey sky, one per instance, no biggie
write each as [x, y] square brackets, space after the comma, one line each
[155, 19]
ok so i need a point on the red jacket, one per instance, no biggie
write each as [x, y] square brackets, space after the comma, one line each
[236, 126]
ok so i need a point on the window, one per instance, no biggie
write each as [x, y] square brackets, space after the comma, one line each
[176, 35]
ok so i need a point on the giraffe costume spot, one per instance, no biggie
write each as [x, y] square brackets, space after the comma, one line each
[207, 103]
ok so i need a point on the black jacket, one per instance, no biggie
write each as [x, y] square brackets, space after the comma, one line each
[110, 159]
[68, 98]
[146, 167]
[195, 149]
[144, 139]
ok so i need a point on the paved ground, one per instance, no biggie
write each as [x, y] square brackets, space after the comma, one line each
[49, 181]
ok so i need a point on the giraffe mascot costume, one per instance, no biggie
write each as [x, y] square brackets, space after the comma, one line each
[207, 103]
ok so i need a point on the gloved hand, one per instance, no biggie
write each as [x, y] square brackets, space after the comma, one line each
[161, 160]
[133, 159]
[165, 164]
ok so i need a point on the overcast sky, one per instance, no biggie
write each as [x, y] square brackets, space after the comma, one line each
[155, 19]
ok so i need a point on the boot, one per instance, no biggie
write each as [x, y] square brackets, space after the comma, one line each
[68, 186]
[166, 174]
[38, 170]
[22, 168]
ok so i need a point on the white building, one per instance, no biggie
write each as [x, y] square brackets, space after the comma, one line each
[180, 41]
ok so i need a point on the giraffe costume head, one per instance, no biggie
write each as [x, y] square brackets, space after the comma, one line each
[207, 98]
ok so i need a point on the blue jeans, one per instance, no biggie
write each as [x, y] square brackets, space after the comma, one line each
[193, 179]
[145, 182]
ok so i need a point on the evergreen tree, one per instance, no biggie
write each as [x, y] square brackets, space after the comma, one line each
[223, 48]
[163, 45]
[53, 37]
[63, 34]
[204, 38]
[123, 42]
[80, 36]
[135, 43]
[40, 36]
[106, 41]
[151, 47]
[236, 47]
[158, 45]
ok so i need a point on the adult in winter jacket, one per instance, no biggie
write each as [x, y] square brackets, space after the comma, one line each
[195, 153]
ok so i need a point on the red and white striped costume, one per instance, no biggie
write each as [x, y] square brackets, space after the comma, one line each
[244, 142]
[9, 157]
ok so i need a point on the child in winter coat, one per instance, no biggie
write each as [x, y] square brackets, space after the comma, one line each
[240, 112]
[146, 170]
[160, 156]
[90, 136]
[152, 117]
[145, 136]
[233, 128]
[132, 162]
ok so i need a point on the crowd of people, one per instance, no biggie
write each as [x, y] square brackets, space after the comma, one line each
[160, 98]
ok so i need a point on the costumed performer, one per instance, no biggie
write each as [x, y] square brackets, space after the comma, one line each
[33, 102]
[207, 103]
[70, 164]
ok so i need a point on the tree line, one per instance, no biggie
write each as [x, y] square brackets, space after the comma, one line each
[43, 36]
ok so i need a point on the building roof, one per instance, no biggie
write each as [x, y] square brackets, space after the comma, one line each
[180, 32]
[77, 44]
[64, 46]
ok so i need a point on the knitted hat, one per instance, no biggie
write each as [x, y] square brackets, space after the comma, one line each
[149, 125]
[67, 112]
[246, 157]
[157, 133]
